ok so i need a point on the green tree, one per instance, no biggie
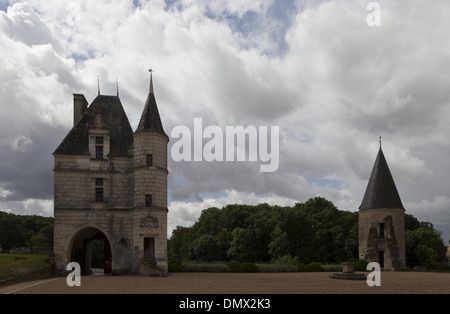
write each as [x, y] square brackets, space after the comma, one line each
[424, 246]
[279, 246]
[39, 241]
[205, 248]
[241, 246]
[178, 244]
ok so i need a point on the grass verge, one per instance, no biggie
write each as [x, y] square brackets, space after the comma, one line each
[12, 265]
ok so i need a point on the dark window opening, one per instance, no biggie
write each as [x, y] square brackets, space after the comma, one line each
[149, 160]
[99, 152]
[99, 147]
[148, 201]
[149, 250]
[382, 230]
[99, 189]
[99, 194]
[381, 258]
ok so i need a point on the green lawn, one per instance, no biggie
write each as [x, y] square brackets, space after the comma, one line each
[12, 265]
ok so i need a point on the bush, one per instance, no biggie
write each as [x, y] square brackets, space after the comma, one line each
[288, 260]
[175, 266]
[205, 267]
[437, 266]
[249, 268]
[235, 267]
[276, 268]
[315, 267]
[332, 267]
[302, 267]
[361, 265]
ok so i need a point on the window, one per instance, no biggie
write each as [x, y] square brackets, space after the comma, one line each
[149, 160]
[149, 250]
[382, 230]
[148, 201]
[99, 189]
[99, 147]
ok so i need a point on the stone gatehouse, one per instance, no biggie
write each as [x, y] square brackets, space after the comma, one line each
[111, 186]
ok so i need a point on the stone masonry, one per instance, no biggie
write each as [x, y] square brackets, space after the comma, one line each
[111, 185]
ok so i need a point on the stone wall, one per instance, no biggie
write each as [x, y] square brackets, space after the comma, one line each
[116, 225]
[393, 241]
[122, 216]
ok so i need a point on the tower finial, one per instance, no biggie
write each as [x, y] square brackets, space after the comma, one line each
[98, 85]
[380, 142]
[151, 80]
[117, 85]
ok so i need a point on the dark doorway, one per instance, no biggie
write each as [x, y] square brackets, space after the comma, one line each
[381, 258]
[91, 249]
[100, 252]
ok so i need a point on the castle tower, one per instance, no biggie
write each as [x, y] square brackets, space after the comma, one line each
[382, 219]
[111, 188]
[150, 187]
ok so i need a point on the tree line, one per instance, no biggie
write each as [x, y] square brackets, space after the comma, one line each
[313, 231]
[35, 232]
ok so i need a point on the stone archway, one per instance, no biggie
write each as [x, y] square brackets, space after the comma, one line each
[80, 250]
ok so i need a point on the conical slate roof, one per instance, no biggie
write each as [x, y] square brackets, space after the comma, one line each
[381, 191]
[150, 120]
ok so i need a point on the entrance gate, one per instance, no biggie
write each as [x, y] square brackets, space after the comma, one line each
[81, 250]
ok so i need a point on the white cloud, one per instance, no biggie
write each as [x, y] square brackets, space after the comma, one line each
[22, 143]
[332, 83]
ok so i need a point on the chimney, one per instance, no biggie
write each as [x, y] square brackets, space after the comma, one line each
[79, 107]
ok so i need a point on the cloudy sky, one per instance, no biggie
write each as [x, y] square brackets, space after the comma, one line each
[332, 83]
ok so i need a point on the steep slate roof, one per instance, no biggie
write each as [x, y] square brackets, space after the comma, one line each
[114, 118]
[381, 191]
[150, 120]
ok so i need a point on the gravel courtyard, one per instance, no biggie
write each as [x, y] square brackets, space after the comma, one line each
[243, 283]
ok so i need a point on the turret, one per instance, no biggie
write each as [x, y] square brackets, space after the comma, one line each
[382, 219]
[150, 186]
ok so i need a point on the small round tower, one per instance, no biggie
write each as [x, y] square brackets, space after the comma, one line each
[382, 219]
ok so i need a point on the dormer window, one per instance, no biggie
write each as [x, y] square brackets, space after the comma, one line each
[99, 147]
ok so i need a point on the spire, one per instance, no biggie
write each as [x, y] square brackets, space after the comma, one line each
[150, 120]
[117, 85]
[151, 81]
[98, 85]
[381, 191]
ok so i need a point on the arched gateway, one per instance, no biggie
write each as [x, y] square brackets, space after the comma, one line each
[82, 250]
[111, 185]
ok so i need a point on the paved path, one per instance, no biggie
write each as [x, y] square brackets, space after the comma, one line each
[247, 283]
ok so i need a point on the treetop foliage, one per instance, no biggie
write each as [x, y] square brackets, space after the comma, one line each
[25, 231]
[314, 231]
